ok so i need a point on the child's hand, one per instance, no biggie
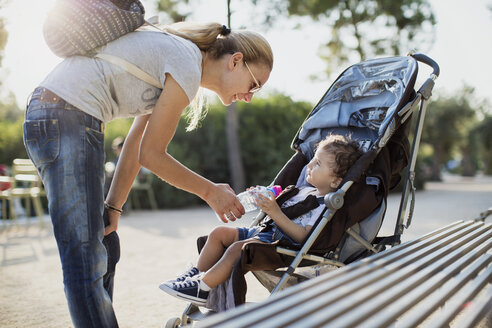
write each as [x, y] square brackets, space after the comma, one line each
[267, 203]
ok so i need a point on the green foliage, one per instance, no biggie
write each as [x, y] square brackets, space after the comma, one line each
[203, 151]
[470, 151]
[3, 36]
[114, 129]
[3, 33]
[267, 128]
[11, 121]
[365, 28]
[448, 123]
[484, 131]
[173, 9]
[11, 144]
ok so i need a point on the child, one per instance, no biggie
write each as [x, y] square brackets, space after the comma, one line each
[333, 157]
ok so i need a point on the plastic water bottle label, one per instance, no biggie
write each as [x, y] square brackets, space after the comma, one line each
[248, 198]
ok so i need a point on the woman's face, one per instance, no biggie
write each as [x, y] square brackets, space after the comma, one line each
[240, 79]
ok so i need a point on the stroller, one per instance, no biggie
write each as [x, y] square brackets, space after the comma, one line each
[372, 102]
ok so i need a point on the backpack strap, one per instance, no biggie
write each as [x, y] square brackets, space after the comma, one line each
[130, 68]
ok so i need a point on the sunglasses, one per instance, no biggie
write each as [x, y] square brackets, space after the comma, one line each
[257, 85]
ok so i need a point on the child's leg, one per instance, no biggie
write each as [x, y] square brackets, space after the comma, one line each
[222, 270]
[218, 240]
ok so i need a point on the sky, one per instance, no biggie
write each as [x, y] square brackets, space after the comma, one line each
[462, 47]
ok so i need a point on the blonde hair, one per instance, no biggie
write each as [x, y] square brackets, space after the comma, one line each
[217, 41]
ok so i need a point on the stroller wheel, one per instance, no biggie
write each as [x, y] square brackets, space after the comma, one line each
[173, 323]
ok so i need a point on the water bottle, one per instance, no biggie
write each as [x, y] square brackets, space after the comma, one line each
[247, 198]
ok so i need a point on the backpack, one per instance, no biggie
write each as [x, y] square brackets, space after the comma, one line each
[79, 27]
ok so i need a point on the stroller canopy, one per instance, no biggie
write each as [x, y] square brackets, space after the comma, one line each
[362, 101]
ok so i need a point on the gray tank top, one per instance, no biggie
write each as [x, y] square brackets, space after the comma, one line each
[107, 91]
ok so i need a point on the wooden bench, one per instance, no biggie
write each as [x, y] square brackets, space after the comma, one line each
[440, 279]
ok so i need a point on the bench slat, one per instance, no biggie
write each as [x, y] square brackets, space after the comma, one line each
[367, 281]
[446, 283]
[477, 310]
[414, 277]
[471, 291]
[360, 302]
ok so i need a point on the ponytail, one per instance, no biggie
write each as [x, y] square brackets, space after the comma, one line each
[203, 35]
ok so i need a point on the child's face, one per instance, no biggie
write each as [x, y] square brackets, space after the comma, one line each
[320, 172]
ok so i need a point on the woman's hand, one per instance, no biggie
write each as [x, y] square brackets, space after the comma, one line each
[224, 202]
[113, 217]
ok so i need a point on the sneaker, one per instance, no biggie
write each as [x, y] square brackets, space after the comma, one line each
[187, 274]
[188, 290]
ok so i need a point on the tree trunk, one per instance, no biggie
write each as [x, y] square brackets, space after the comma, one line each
[487, 162]
[468, 169]
[234, 149]
[437, 164]
[232, 134]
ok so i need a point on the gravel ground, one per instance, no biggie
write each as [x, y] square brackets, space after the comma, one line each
[157, 245]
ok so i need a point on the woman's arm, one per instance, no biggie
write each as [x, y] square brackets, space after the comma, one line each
[126, 170]
[268, 205]
[153, 154]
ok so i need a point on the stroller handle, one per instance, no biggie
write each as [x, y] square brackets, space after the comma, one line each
[429, 61]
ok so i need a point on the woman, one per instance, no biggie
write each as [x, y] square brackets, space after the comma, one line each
[64, 136]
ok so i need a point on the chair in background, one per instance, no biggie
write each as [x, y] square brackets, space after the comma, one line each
[6, 183]
[25, 185]
[142, 183]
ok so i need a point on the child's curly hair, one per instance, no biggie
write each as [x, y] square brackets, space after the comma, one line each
[346, 152]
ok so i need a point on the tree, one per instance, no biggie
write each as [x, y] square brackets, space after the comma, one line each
[3, 34]
[11, 118]
[448, 123]
[173, 10]
[236, 167]
[365, 28]
[484, 130]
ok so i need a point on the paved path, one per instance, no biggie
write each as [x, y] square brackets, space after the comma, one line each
[156, 245]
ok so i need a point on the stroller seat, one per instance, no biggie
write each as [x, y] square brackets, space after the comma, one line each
[351, 246]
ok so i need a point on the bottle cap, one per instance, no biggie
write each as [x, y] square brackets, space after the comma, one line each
[276, 190]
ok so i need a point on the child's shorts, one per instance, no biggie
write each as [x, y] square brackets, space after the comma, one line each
[265, 236]
[247, 233]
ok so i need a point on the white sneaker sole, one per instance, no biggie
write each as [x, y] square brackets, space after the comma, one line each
[195, 300]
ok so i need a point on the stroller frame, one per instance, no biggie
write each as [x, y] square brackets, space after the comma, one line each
[335, 200]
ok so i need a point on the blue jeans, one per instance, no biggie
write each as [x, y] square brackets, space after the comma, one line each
[67, 147]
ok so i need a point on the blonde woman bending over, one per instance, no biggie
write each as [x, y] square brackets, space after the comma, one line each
[64, 137]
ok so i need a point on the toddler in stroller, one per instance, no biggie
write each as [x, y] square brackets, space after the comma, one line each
[290, 217]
